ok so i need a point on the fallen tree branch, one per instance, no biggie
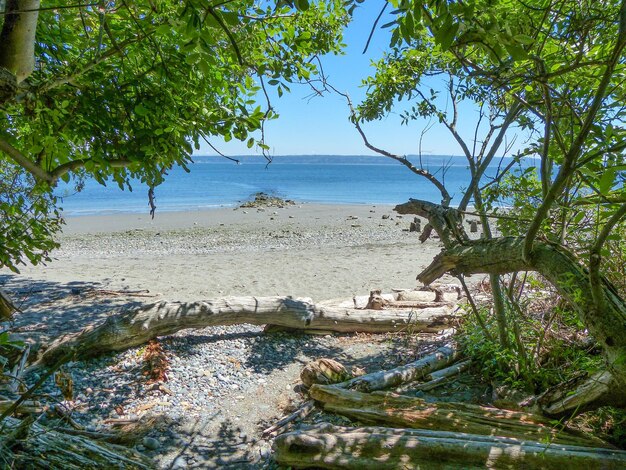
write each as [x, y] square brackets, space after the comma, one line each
[411, 372]
[377, 448]
[437, 378]
[302, 411]
[137, 326]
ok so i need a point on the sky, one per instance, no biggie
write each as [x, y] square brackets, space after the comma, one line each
[320, 126]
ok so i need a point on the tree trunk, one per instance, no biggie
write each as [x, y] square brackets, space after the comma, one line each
[17, 38]
[138, 326]
[402, 411]
[376, 448]
[561, 268]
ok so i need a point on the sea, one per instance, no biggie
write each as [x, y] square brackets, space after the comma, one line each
[214, 182]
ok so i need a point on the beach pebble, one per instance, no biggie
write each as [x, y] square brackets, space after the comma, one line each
[179, 463]
[151, 443]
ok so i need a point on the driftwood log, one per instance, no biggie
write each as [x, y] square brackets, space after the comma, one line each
[137, 326]
[409, 412]
[39, 447]
[407, 373]
[437, 378]
[376, 448]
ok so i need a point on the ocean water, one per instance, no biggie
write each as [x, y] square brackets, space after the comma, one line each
[217, 182]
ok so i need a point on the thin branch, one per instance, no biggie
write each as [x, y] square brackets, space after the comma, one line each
[217, 151]
[19, 158]
[445, 196]
[508, 120]
[369, 38]
[230, 36]
[595, 257]
[113, 51]
[76, 164]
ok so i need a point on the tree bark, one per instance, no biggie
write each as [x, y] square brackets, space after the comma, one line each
[17, 38]
[402, 411]
[138, 326]
[376, 448]
[39, 447]
[571, 279]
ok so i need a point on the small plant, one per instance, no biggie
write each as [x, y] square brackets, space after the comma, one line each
[548, 343]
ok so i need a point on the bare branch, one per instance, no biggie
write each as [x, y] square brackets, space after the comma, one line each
[369, 38]
[445, 196]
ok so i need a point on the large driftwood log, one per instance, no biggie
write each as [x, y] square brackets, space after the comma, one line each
[416, 370]
[39, 447]
[376, 448]
[135, 327]
[402, 411]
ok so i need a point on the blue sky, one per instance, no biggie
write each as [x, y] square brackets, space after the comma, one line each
[320, 125]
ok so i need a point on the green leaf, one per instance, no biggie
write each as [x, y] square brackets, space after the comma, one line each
[141, 110]
[606, 181]
[523, 39]
[302, 5]
[516, 52]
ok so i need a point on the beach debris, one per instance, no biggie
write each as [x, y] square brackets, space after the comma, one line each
[328, 446]
[64, 448]
[301, 412]
[376, 301]
[155, 362]
[137, 326]
[324, 371]
[416, 225]
[473, 226]
[262, 200]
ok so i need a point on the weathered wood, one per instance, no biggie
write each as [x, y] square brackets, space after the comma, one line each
[376, 448]
[402, 411]
[436, 378]
[416, 370]
[137, 326]
[39, 447]
[325, 371]
[302, 411]
[7, 308]
[26, 407]
[18, 370]
[559, 400]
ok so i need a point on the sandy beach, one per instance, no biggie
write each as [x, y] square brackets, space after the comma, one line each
[317, 251]
[224, 384]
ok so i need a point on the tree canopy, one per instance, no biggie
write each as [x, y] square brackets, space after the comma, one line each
[555, 69]
[121, 90]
